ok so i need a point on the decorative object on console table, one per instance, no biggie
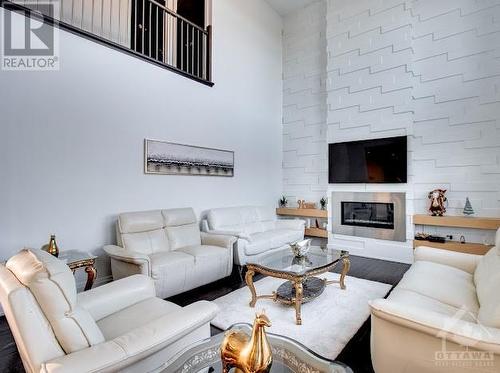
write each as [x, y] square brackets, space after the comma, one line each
[437, 199]
[51, 247]
[166, 158]
[77, 259]
[248, 353]
[323, 202]
[283, 202]
[468, 210]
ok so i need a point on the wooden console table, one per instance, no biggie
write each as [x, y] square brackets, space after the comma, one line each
[457, 222]
[307, 213]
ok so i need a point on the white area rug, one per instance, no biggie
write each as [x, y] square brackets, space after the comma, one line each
[328, 322]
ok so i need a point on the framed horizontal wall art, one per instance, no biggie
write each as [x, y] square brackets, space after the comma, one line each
[167, 158]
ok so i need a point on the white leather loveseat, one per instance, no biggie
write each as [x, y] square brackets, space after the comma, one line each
[257, 229]
[168, 246]
[117, 327]
[444, 315]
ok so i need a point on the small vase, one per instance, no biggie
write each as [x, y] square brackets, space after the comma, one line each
[52, 248]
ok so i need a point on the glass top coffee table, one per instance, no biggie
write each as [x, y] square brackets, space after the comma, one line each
[302, 285]
[288, 356]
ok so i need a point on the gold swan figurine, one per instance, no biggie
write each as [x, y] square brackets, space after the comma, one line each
[248, 354]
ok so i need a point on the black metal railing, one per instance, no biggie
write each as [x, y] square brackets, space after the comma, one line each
[146, 28]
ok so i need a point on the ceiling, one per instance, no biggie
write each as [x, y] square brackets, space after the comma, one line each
[284, 7]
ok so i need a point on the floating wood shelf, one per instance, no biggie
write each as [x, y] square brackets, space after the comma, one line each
[309, 213]
[316, 232]
[469, 248]
[457, 221]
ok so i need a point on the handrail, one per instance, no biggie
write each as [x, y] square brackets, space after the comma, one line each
[173, 14]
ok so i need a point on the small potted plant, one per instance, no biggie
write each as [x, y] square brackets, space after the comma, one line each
[322, 202]
[283, 201]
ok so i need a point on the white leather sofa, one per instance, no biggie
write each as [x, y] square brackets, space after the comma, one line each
[447, 303]
[167, 245]
[257, 228]
[120, 326]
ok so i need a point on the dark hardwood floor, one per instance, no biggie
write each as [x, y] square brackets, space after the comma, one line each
[356, 354]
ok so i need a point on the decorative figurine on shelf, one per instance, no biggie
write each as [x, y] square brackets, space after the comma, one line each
[468, 210]
[248, 354]
[283, 202]
[51, 247]
[437, 197]
[322, 202]
[300, 248]
[306, 205]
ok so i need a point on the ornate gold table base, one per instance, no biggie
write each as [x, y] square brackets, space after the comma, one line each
[89, 265]
[298, 282]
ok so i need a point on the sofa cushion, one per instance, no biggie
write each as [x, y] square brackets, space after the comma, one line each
[141, 221]
[146, 242]
[223, 218]
[184, 235]
[52, 284]
[211, 263]
[170, 271]
[176, 217]
[443, 283]
[264, 241]
[487, 280]
[415, 300]
[135, 316]
[204, 253]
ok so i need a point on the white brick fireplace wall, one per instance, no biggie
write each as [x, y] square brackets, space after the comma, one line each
[427, 69]
[304, 98]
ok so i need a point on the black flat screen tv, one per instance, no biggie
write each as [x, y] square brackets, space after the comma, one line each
[368, 161]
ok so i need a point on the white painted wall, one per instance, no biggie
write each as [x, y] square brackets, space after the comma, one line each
[72, 141]
[426, 69]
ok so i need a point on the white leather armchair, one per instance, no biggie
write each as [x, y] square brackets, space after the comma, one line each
[257, 229]
[121, 326]
[447, 302]
[167, 246]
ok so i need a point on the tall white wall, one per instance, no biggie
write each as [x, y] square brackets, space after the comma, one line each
[429, 70]
[71, 154]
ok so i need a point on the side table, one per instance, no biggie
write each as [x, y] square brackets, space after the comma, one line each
[78, 259]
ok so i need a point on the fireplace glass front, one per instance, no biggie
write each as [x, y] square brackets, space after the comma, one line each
[368, 214]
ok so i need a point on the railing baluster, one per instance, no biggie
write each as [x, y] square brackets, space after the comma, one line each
[150, 53]
[142, 25]
[156, 34]
[166, 21]
[192, 50]
[182, 44]
[102, 17]
[92, 17]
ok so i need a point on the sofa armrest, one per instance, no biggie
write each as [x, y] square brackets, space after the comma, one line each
[137, 344]
[218, 240]
[438, 325]
[123, 255]
[236, 234]
[117, 295]
[294, 224]
[463, 261]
